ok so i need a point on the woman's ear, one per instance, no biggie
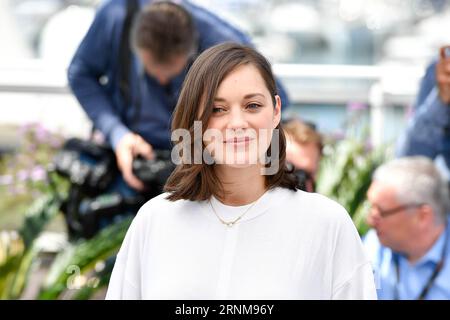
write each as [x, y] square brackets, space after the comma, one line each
[277, 112]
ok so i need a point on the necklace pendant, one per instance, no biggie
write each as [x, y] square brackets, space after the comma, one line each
[229, 224]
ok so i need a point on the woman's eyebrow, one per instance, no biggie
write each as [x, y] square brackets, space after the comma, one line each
[252, 95]
[220, 99]
[247, 96]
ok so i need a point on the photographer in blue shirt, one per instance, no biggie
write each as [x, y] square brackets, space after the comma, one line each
[409, 245]
[134, 115]
[428, 132]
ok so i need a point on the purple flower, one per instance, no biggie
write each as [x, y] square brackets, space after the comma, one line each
[27, 127]
[18, 189]
[6, 180]
[22, 175]
[55, 143]
[14, 189]
[368, 146]
[42, 134]
[356, 106]
[338, 135]
[32, 147]
[38, 173]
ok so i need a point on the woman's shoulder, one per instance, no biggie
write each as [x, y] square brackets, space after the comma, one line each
[162, 206]
[314, 205]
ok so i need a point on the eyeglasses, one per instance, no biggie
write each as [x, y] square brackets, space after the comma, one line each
[388, 212]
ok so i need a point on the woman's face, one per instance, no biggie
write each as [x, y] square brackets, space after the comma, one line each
[243, 117]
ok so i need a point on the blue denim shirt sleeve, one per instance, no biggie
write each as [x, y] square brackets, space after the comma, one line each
[427, 132]
[427, 84]
[92, 60]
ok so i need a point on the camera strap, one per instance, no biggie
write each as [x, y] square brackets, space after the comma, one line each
[125, 54]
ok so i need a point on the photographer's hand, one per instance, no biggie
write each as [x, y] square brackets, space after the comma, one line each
[127, 149]
[443, 74]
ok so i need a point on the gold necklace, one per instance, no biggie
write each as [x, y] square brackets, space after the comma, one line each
[230, 223]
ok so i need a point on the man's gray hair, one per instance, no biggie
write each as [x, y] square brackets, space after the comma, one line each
[416, 180]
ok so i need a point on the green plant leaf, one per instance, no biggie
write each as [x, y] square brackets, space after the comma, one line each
[83, 256]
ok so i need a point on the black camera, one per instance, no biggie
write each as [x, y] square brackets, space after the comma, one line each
[304, 179]
[154, 173]
[90, 166]
[91, 169]
[95, 213]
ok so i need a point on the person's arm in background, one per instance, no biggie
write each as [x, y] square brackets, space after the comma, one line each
[214, 30]
[95, 58]
[427, 84]
[92, 60]
[426, 131]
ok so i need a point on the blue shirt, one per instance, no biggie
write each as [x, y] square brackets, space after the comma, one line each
[428, 132]
[93, 76]
[413, 278]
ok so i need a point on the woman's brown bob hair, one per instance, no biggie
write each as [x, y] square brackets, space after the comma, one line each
[199, 182]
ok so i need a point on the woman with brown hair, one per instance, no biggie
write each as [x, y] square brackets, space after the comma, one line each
[232, 224]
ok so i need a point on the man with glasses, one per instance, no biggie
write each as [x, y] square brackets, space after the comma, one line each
[132, 104]
[409, 243]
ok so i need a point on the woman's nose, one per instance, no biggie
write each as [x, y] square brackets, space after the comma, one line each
[237, 120]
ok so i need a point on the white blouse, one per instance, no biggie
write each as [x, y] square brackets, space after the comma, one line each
[289, 245]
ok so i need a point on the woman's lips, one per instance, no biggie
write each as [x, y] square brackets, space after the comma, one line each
[238, 140]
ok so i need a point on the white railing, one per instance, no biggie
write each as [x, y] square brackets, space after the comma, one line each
[378, 86]
[33, 76]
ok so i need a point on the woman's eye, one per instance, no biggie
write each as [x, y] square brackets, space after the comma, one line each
[253, 106]
[218, 109]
